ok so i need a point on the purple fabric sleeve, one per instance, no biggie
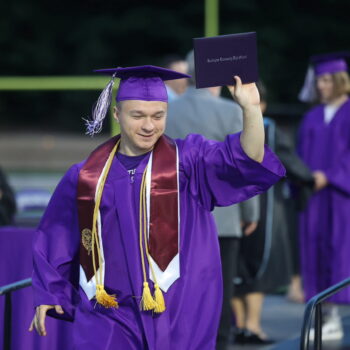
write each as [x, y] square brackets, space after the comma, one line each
[56, 250]
[311, 137]
[339, 175]
[221, 173]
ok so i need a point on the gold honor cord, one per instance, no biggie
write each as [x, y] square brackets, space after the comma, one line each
[147, 301]
[102, 296]
[157, 303]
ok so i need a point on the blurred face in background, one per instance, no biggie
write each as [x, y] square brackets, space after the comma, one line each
[141, 125]
[178, 85]
[263, 106]
[325, 87]
[215, 90]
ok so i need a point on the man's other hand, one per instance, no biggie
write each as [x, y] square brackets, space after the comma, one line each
[321, 180]
[249, 227]
[39, 318]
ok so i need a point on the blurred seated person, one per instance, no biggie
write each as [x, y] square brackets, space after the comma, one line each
[266, 257]
[7, 201]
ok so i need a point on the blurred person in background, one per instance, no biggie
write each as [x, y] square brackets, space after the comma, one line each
[293, 193]
[7, 201]
[203, 111]
[267, 257]
[324, 145]
[177, 87]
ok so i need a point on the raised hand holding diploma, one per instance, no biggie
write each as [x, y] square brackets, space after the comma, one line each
[246, 95]
[216, 60]
[253, 134]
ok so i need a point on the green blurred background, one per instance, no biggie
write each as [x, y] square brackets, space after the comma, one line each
[68, 38]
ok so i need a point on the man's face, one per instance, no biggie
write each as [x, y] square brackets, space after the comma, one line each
[141, 124]
[325, 87]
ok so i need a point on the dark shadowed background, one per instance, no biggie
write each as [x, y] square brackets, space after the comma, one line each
[45, 38]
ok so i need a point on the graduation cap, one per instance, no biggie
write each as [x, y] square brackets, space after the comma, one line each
[328, 63]
[144, 83]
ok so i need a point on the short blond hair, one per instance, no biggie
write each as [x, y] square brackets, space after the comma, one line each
[341, 83]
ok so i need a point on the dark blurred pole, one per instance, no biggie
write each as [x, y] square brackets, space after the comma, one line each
[318, 327]
[7, 290]
[7, 322]
[211, 22]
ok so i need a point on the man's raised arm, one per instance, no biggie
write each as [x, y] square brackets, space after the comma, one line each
[253, 134]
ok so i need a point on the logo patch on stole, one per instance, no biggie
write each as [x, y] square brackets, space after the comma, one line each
[86, 239]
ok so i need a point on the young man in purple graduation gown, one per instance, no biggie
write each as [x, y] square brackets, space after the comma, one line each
[185, 310]
[324, 145]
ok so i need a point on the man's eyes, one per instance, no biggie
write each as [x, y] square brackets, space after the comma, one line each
[140, 116]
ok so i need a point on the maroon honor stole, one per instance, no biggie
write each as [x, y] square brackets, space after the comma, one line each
[163, 241]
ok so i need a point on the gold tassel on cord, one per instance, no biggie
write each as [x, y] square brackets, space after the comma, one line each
[159, 300]
[147, 302]
[104, 298]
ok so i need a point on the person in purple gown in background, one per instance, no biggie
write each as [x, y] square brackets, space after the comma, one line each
[128, 248]
[324, 145]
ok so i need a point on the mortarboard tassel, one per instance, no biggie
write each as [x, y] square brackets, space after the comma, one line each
[94, 125]
[308, 92]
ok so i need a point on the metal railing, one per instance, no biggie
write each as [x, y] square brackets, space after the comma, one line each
[314, 307]
[7, 292]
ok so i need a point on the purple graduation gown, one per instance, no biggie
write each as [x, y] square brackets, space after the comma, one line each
[211, 174]
[325, 223]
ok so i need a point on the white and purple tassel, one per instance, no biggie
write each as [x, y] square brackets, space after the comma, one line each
[308, 92]
[94, 124]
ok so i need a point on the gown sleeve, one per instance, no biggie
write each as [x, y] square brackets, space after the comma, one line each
[338, 176]
[339, 173]
[221, 174]
[56, 250]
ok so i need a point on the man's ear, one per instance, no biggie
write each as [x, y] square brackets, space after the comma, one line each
[116, 114]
